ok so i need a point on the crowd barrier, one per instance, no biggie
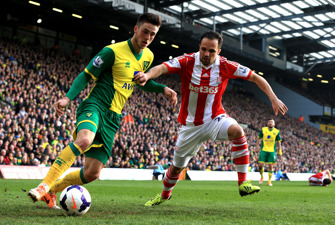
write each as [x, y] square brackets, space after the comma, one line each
[36, 172]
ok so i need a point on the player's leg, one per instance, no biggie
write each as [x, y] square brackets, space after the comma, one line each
[92, 169]
[96, 158]
[62, 163]
[261, 170]
[262, 159]
[271, 161]
[270, 173]
[75, 177]
[87, 124]
[173, 174]
[231, 130]
[240, 151]
[97, 154]
[170, 180]
[50, 198]
[189, 142]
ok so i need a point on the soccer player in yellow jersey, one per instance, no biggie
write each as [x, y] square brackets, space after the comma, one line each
[98, 116]
[269, 136]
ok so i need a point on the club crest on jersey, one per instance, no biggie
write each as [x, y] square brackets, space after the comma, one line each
[145, 65]
[98, 61]
[127, 65]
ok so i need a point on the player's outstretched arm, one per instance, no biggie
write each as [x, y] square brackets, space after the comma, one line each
[277, 104]
[171, 95]
[141, 78]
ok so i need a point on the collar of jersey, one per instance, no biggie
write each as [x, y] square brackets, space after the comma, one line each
[137, 56]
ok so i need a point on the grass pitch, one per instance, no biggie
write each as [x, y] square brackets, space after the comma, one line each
[193, 202]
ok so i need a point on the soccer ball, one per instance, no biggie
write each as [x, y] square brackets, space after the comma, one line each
[75, 200]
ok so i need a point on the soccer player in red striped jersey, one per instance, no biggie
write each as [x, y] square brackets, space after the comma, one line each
[323, 178]
[204, 77]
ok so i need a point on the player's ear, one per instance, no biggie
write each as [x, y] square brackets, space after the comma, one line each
[135, 28]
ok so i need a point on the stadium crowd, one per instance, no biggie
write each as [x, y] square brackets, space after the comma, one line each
[31, 133]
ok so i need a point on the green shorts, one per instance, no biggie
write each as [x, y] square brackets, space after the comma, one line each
[103, 122]
[267, 157]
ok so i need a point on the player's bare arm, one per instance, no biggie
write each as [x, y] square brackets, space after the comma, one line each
[257, 145]
[142, 78]
[329, 175]
[277, 104]
[60, 104]
[171, 95]
[280, 152]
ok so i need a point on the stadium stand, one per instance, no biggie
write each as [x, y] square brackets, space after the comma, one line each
[31, 133]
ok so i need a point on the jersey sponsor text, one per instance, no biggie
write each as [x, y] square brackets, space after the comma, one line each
[203, 89]
[128, 86]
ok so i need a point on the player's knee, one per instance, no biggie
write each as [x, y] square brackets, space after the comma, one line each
[83, 143]
[235, 131]
[91, 175]
[176, 170]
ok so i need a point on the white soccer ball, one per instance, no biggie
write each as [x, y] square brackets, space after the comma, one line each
[75, 200]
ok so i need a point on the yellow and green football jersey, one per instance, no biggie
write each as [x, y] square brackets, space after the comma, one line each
[113, 70]
[269, 139]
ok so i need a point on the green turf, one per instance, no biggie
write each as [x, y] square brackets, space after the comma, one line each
[193, 202]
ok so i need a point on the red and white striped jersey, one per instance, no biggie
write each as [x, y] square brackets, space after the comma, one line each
[317, 179]
[202, 87]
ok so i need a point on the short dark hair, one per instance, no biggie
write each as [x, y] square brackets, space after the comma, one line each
[149, 18]
[212, 35]
[327, 181]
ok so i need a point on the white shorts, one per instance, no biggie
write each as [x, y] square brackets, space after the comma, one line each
[191, 138]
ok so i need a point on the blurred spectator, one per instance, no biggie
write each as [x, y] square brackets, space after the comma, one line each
[301, 118]
[159, 170]
[280, 175]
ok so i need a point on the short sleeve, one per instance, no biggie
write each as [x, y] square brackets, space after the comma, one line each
[100, 62]
[278, 138]
[260, 134]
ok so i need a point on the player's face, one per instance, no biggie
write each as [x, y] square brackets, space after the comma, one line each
[144, 35]
[209, 49]
[271, 123]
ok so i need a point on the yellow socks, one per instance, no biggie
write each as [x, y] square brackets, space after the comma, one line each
[261, 171]
[75, 177]
[62, 163]
[270, 175]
